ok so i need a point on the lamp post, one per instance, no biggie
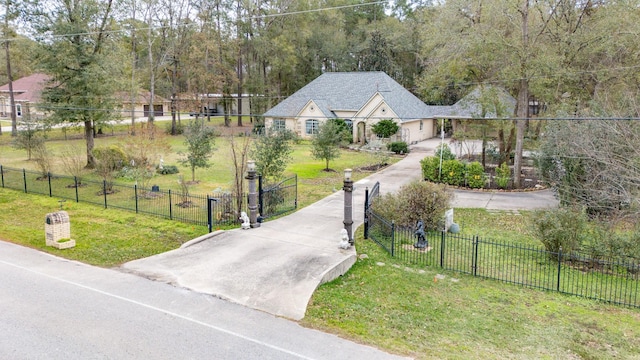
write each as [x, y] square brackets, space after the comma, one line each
[253, 194]
[348, 204]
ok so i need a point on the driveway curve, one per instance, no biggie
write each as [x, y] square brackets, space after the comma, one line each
[277, 267]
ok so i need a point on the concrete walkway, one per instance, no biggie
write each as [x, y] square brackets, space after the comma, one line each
[277, 267]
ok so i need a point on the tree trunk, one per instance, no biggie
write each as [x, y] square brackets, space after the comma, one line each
[88, 135]
[133, 74]
[173, 97]
[152, 77]
[240, 70]
[12, 101]
[523, 96]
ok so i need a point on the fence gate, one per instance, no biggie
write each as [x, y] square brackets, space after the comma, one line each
[279, 198]
[369, 196]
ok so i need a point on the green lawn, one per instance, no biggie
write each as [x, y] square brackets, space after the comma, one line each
[314, 183]
[103, 237]
[429, 313]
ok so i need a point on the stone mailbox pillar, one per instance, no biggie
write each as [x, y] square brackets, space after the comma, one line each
[57, 230]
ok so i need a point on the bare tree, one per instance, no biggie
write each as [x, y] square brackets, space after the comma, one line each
[239, 157]
[590, 167]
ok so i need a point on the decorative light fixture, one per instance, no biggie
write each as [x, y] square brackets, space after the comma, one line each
[347, 174]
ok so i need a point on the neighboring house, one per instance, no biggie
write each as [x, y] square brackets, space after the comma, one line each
[26, 92]
[363, 98]
[212, 104]
[141, 106]
[487, 102]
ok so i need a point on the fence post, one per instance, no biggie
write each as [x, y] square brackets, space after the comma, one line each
[393, 238]
[366, 211]
[104, 191]
[2, 175]
[559, 267]
[296, 201]
[260, 199]
[135, 194]
[170, 207]
[476, 240]
[75, 181]
[442, 235]
[24, 178]
[209, 215]
[49, 179]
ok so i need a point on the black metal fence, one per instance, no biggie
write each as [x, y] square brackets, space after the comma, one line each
[613, 280]
[214, 209]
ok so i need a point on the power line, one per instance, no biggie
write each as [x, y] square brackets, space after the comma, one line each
[194, 24]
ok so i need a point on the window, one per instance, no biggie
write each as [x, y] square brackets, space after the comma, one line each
[279, 124]
[18, 110]
[421, 125]
[311, 126]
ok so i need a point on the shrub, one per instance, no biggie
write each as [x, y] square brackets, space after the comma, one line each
[431, 168]
[453, 172]
[168, 170]
[179, 128]
[475, 175]
[563, 227]
[398, 147]
[503, 175]
[345, 130]
[446, 152]
[415, 201]
[385, 128]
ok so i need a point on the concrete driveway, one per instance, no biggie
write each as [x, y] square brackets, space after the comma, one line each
[277, 267]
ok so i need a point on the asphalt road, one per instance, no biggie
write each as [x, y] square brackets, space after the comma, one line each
[52, 308]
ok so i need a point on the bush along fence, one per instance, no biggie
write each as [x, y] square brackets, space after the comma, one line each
[614, 281]
[205, 210]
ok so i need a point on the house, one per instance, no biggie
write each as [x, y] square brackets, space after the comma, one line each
[213, 104]
[26, 92]
[361, 98]
[483, 102]
[141, 108]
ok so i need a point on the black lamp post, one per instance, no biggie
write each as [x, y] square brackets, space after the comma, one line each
[253, 194]
[348, 204]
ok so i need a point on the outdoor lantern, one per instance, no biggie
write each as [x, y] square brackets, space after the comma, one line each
[347, 174]
[251, 165]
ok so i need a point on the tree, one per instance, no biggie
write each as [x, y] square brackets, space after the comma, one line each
[199, 140]
[108, 161]
[81, 57]
[30, 138]
[326, 143]
[239, 157]
[144, 148]
[385, 128]
[73, 162]
[590, 167]
[272, 152]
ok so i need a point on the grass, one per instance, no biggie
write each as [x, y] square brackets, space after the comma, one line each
[314, 182]
[103, 237]
[429, 313]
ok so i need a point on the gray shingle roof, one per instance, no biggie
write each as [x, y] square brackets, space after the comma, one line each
[469, 107]
[350, 91]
